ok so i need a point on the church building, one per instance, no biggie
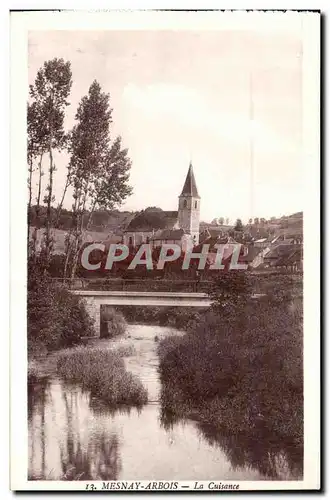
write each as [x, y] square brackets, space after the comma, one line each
[158, 227]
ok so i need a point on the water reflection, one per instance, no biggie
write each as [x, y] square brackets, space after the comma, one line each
[99, 461]
[73, 436]
[64, 441]
[101, 409]
[38, 392]
[273, 458]
[38, 396]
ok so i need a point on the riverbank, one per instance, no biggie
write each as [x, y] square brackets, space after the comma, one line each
[94, 440]
[174, 317]
[240, 375]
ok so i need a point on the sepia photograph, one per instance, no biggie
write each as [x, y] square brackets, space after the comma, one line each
[167, 216]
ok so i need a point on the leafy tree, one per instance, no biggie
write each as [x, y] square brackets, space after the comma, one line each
[113, 187]
[284, 222]
[238, 225]
[56, 318]
[230, 292]
[36, 146]
[31, 145]
[49, 95]
[153, 209]
[99, 170]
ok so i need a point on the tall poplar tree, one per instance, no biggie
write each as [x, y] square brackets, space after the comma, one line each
[36, 146]
[50, 93]
[99, 169]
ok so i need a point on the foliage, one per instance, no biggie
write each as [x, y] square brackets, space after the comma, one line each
[101, 220]
[56, 318]
[103, 373]
[238, 225]
[46, 133]
[230, 292]
[176, 317]
[37, 133]
[99, 170]
[148, 218]
[112, 322]
[241, 376]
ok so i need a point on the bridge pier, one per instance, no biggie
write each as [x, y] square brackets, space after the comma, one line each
[93, 309]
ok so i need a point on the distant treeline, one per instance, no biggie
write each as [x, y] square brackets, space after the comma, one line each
[101, 219]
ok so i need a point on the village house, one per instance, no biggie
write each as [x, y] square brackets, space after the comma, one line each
[158, 227]
[172, 236]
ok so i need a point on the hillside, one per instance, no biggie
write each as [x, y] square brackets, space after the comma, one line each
[89, 236]
[102, 220]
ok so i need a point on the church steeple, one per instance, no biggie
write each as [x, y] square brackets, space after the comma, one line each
[189, 206]
[189, 187]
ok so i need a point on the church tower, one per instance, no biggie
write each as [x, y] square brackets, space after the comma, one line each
[189, 206]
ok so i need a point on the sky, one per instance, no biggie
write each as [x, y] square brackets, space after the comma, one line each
[229, 101]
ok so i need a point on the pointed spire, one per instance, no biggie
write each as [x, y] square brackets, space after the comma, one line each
[189, 187]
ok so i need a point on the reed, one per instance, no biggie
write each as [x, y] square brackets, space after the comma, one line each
[125, 351]
[103, 373]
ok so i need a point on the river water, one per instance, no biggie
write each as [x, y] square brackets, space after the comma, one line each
[73, 436]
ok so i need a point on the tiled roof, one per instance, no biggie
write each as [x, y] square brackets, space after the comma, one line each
[213, 240]
[292, 258]
[111, 239]
[147, 221]
[281, 251]
[251, 253]
[169, 234]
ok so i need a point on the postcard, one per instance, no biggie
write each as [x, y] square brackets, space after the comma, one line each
[165, 278]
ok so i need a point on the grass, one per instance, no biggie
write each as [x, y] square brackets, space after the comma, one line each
[125, 351]
[103, 373]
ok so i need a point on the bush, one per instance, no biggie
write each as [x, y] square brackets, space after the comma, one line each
[103, 373]
[240, 374]
[56, 318]
[112, 323]
[72, 318]
[230, 291]
[176, 317]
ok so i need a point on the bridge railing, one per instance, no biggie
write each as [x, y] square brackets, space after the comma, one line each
[134, 284]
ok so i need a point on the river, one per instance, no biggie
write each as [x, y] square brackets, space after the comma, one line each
[72, 435]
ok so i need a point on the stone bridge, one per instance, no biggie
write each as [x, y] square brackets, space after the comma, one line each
[95, 298]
